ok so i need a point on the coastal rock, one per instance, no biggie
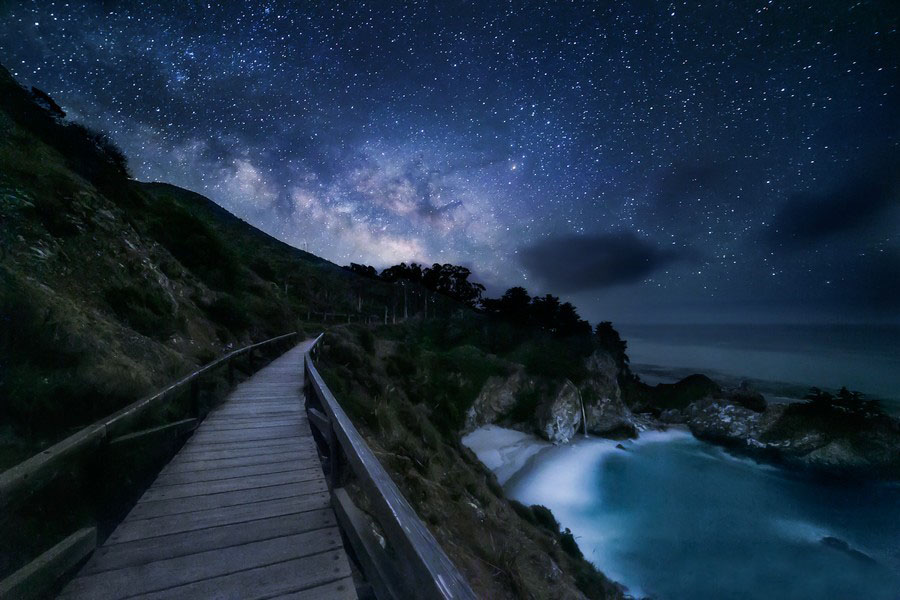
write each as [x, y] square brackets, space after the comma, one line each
[605, 411]
[746, 396]
[560, 418]
[672, 416]
[496, 399]
[836, 454]
[719, 420]
[830, 438]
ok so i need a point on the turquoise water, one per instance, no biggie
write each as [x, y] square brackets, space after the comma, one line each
[672, 517]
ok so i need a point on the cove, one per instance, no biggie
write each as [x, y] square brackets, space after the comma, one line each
[672, 517]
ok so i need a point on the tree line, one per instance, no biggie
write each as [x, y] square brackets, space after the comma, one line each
[516, 305]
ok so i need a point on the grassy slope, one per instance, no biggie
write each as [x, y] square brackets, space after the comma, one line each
[405, 388]
[110, 287]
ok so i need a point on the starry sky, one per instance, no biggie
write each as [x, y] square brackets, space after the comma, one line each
[649, 161]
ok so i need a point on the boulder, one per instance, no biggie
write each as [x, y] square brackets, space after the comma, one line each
[560, 418]
[605, 411]
[672, 416]
[496, 399]
[746, 396]
[719, 420]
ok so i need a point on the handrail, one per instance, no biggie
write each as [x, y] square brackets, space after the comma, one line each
[30, 475]
[425, 569]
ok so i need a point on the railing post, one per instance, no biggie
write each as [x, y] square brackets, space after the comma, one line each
[334, 459]
[230, 372]
[195, 397]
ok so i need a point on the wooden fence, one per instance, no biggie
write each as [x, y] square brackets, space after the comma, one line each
[71, 457]
[407, 562]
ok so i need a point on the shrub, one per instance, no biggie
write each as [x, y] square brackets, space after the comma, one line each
[144, 308]
[545, 518]
[228, 312]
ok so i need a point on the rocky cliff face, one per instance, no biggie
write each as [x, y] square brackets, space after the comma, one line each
[830, 439]
[559, 418]
[497, 399]
[605, 410]
[556, 410]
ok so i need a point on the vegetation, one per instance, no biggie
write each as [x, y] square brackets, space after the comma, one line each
[406, 397]
[110, 288]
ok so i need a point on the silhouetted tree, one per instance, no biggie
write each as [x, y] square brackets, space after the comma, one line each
[411, 272]
[610, 340]
[514, 305]
[363, 270]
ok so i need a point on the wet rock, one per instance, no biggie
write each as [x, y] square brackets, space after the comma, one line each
[672, 416]
[560, 418]
[496, 399]
[745, 396]
[605, 411]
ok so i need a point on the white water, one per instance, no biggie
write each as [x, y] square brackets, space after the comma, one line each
[673, 517]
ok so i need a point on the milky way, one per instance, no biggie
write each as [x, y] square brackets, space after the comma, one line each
[691, 161]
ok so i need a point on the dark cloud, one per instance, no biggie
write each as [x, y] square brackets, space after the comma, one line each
[851, 204]
[871, 283]
[575, 263]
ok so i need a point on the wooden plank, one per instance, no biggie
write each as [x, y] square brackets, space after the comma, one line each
[205, 488]
[155, 508]
[139, 529]
[342, 589]
[213, 453]
[182, 570]
[165, 479]
[148, 550]
[239, 461]
[37, 578]
[250, 425]
[264, 582]
[238, 434]
[245, 444]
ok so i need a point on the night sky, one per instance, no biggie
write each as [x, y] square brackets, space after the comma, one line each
[649, 161]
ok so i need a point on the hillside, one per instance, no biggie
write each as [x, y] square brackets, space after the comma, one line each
[110, 287]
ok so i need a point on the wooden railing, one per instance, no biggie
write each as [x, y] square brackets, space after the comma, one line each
[407, 562]
[70, 457]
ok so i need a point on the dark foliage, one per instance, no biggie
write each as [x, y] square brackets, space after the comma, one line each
[545, 312]
[610, 340]
[194, 243]
[449, 280]
[363, 270]
[227, 311]
[144, 308]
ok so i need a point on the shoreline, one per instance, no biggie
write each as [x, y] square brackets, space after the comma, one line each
[571, 481]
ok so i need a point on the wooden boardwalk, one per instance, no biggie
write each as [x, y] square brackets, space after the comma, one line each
[243, 511]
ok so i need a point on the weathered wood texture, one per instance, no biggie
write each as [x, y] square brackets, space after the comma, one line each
[421, 568]
[30, 476]
[243, 511]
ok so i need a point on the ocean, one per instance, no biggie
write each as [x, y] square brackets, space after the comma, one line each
[672, 517]
[782, 361]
